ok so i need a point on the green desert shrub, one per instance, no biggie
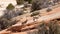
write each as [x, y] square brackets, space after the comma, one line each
[29, 1]
[19, 2]
[35, 6]
[35, 13]
[10, 7]
[39, 4]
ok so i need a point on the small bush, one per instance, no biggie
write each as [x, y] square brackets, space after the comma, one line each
[35, 13]
[42, 28]
[5, 23]
[39, 4]
[35, 5]
[29, 1]
[10, 7]
[13, 13]
[19, 2]
[53, 27]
